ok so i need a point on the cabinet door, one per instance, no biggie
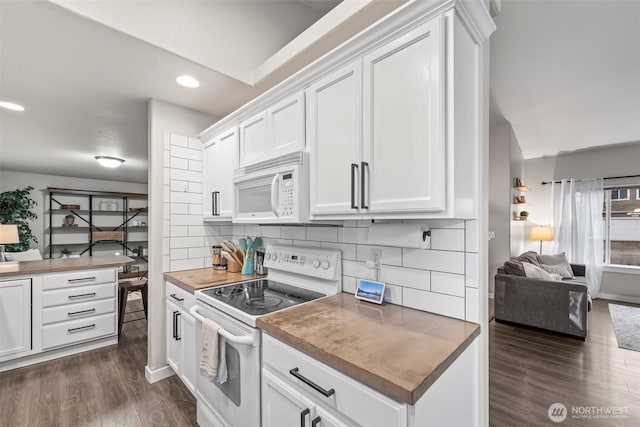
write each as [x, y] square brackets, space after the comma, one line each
[226, 163]
[15, 318]
[404, 140]
[326, 419]
[282, 405]
[211, 176]
[189, 358]
[253, 139]
[334, 132]
[286, 121]
[174, 352]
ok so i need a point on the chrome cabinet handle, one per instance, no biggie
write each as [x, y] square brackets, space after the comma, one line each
[363, 176]
[354, 167]
[303, 417]
[77, 313]
[176, 298]
[82, 279]
[327, 393]
[81, 328]
[215, 203]
[92, 294]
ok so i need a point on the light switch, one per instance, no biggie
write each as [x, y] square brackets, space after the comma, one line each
[492, 235]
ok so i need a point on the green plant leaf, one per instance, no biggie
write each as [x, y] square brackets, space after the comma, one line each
[15, 209]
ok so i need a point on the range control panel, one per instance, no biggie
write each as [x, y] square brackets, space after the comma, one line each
[314, 262]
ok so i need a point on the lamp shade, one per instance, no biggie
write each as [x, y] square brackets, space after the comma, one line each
[544, 234]
[9, 234]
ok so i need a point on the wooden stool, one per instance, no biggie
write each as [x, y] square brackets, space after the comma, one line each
[125, 287]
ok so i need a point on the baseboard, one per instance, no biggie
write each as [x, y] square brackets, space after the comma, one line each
[621, 298]
[159, 374]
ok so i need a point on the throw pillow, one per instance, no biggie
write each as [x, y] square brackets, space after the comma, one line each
[557, 264]
[514, 265]
[30, 255]
[536, 272]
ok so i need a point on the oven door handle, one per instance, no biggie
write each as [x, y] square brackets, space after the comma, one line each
[245, 339]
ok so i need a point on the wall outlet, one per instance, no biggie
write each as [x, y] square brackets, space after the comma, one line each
[374, 258]
[492, 235]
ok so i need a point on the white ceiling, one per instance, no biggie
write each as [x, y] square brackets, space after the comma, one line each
[85, 70]
[566, 74]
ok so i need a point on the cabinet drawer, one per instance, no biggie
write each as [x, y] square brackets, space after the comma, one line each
[78, 294]
[79, 330]
[183, 299]
[78, 311]
[78, 278]
[355, 400]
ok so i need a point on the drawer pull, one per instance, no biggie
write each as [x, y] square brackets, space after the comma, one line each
[82, 279]
[77, 313]
[316, 421]
[81, 328]
[295, 372]
[303, 417]
[92, 294]
[176, 298]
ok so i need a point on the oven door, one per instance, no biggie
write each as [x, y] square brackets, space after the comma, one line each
[237, 401]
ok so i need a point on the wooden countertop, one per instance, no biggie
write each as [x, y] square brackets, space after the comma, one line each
[396, 350]
[25, 268]
[201, 278]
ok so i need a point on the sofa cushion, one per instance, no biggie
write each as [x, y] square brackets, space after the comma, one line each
[536, 272]
[29, 255]
[514, 265]
[556, 264]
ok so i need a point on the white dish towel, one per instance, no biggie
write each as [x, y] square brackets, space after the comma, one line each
[209, 352]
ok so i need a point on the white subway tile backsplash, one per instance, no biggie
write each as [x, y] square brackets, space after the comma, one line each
[187, 264]
[393, 294]
[472, 304]
[305, 243]
[226, 230]
[295, 233]
[178, 163]
[186, 175]
[271, 231]
[349, 251]
[442, 223]
[349, 284]
[238, 230]
[445, 261]
[471, 269]
[179, 254]
[179, 208]
[196, 230]
[445, 305]
[186, 220]
[195, 143]
[195, 210]
[447, 239]
[186, 242]
[211, 240]
[389, 256]
[356, 269]
[195, 165]
[202, 252]
[179, 186]
[177, 197]
[195, 187]
[179, 140]
[353, 235]
[186, 153]
[407, 277]
[447, 283]
[471, 236]
[211, 230]
[322, 234]
[179, 231]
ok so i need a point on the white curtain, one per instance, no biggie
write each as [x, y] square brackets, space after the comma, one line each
[578, 226]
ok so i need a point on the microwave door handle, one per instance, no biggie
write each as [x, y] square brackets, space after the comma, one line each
[274, 194]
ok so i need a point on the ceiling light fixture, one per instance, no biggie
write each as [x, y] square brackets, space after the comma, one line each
[109, 162]
[11, 106]
[187, 81]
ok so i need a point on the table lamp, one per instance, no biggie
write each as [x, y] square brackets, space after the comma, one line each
[8, 235]
[542, 233]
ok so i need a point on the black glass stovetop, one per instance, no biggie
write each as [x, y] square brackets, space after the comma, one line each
[261, 296]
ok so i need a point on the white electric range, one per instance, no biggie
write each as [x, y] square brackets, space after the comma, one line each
[295, 275]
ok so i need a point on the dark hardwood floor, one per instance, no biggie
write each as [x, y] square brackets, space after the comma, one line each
[531, 369]
[104, 387]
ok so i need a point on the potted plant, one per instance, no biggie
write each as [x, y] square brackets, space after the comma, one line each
[15, 209]
[65, 253]
[524, 215]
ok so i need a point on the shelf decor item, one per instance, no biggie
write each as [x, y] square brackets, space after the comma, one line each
[524, 215]
[69, 221]
[15, 208]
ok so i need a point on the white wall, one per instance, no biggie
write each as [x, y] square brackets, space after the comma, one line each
[598, 163]
[163, 118]
[11, 180]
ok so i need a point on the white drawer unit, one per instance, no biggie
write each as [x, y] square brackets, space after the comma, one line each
[66, 333]
[78, 278]
[331, 391]
[82, 310]
[183, 299]
[78, 294]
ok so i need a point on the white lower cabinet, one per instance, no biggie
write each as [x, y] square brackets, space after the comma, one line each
[181, 335]
[15, 318]
[283, 405]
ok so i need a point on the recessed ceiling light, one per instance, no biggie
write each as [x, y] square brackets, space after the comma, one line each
[109, 162]
[11, 106]
[187, 81]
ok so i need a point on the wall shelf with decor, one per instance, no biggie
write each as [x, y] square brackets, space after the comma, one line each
[519, 200]
[88, 223]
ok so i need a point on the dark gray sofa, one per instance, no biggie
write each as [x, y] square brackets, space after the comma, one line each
[559, 306]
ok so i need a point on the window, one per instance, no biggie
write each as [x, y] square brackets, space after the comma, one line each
[622, 226]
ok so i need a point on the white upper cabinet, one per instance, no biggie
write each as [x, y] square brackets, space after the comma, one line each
[403, 162]
[334, 135]
[277, 131]
[220, 160]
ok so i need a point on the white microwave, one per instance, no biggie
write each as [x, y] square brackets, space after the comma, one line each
[272, 192]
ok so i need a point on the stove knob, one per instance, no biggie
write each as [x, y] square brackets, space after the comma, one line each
[274, 257]
[325, 264]
[316, 263]
[267, 255]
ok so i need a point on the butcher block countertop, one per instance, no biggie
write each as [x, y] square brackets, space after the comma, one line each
[395, 350]
[202, 278]
[27, 268]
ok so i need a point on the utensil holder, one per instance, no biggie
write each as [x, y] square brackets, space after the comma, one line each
[233, 267]
[247, 267]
